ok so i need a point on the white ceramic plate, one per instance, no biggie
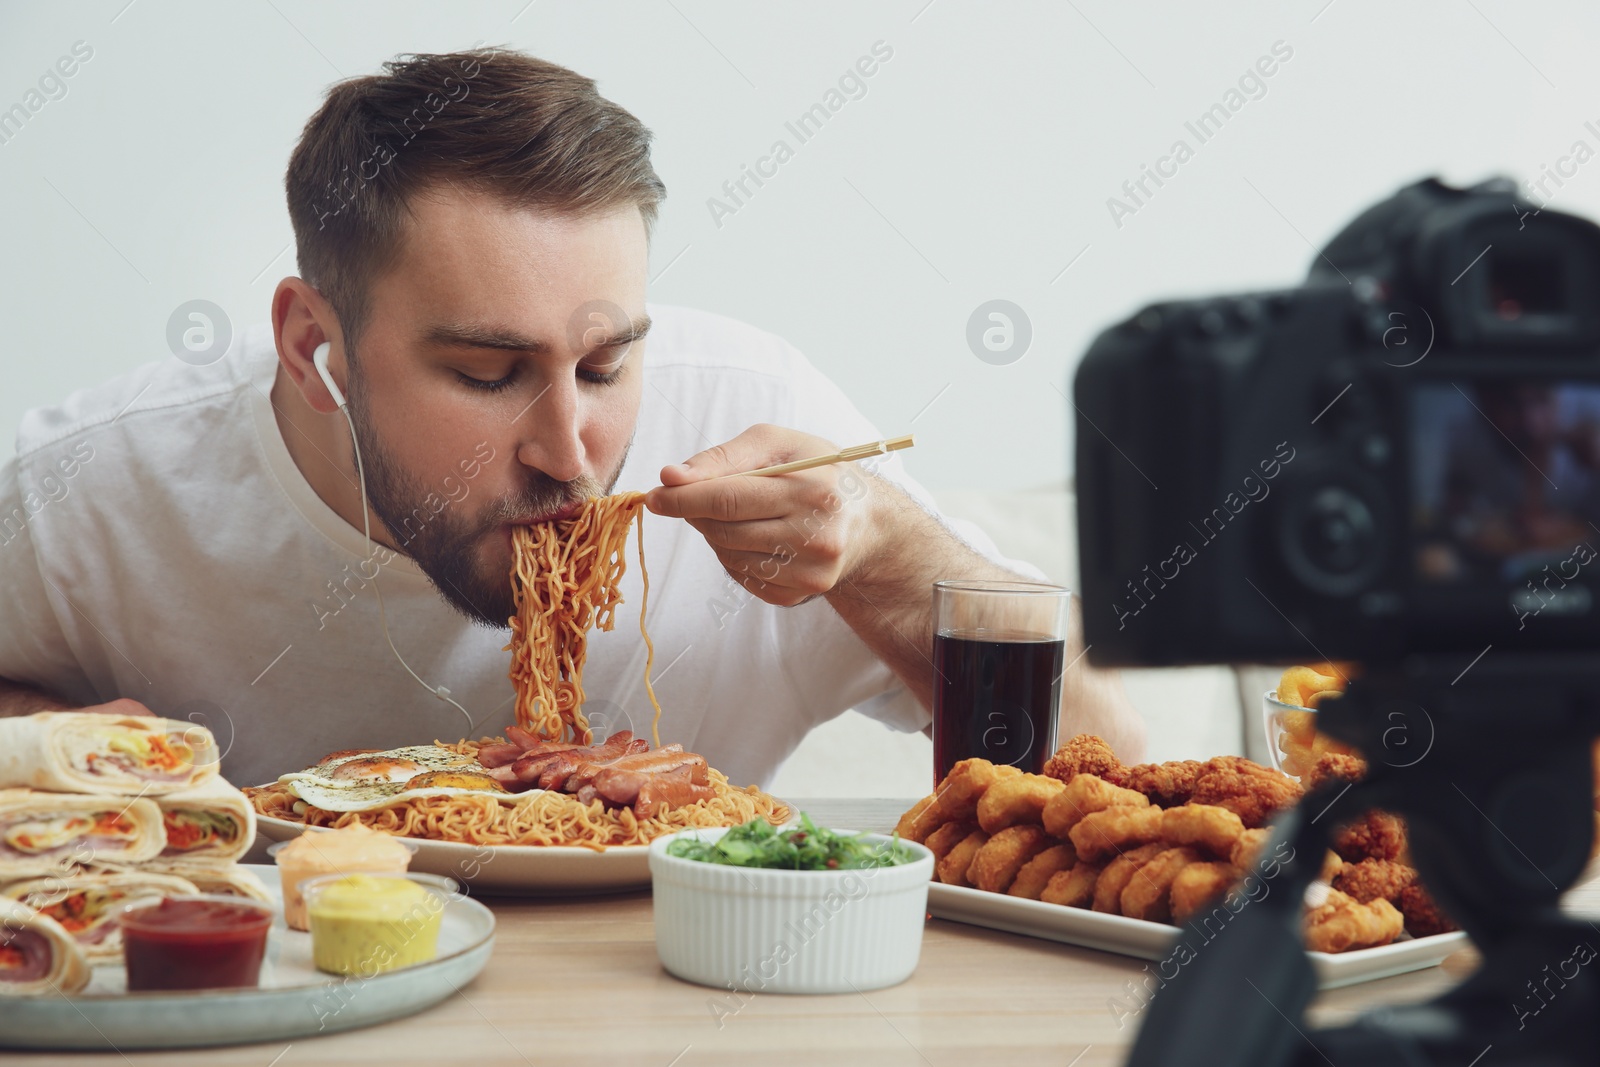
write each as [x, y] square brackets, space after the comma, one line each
[1154, 941]
[526, 870]
[295, 999]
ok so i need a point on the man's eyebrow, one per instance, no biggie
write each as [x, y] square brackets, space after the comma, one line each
[633, 331]
[478, 335]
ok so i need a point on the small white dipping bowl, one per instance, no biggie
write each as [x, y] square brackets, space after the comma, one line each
[757, 930]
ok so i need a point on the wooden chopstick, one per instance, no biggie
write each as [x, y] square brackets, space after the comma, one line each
[844, 455]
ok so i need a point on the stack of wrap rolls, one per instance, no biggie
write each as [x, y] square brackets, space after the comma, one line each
[97, 811]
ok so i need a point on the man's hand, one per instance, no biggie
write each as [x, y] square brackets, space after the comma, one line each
[121, 706]
[17, 698]
[787, 538]
[873, 550]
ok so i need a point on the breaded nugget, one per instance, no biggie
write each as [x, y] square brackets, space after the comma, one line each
[1198, 885]
[1084, 794]
[1331, 866]
[1084, 754]
[1298, 684]
[1073, 887]
[1213, 828]
[1423, 916]
[1376, 835]
[1374, 880]
[1037, 872]
[1335, 767]
[1020, 799]
[947, 837]
[1342, 923]
[1101, 834]
[1118, 873]
[1251, 791]
[952, 870]
[1147, 894]
[1298, 756]
[1167, 784]
[964, 786]
[1247, 849]
[909, 828]
[1002, 856]
[918, 825]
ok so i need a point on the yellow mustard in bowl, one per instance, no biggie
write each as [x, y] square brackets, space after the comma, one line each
[365, 924]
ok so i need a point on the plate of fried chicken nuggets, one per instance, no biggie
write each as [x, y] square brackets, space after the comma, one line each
[1163, 843]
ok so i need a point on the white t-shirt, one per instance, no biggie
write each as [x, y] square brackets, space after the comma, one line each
[158, 542]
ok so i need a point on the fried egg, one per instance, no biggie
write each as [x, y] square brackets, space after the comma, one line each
[376, 769]
[365, 780]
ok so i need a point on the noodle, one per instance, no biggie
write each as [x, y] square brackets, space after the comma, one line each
[566, 579]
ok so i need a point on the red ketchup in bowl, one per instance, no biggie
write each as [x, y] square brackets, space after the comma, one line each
[198, 942]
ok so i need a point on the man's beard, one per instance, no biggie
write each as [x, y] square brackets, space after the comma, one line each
[446, 545]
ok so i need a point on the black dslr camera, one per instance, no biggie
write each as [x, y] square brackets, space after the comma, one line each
[1402, 453]
[1396, 463]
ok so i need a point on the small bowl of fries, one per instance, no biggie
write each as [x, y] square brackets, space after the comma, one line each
[1290, 714]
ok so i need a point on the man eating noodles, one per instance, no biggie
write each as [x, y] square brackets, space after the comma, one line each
[473, 234]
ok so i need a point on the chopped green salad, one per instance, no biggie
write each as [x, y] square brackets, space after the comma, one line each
[804, 848]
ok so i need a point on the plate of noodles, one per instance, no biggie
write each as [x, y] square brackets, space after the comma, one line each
[495, 828]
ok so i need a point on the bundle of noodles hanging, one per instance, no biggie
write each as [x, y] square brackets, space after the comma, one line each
[566, 578]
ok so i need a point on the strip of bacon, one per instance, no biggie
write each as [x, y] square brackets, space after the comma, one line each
[664, 792]
[523, 738]
[499, 755]
[646, 792]
[528, 770]
[492, 756]
[621, 771]
[665, 758]
[569, 765]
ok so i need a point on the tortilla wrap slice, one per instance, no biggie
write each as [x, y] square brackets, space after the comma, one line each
[229, 881]
[56, 833]
[208, 827]
[86, 905]
[87, 752]
[37, 955]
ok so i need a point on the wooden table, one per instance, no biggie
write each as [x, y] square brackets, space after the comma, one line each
[576, 982]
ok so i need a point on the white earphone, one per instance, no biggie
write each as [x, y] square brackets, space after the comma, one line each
[319, 359]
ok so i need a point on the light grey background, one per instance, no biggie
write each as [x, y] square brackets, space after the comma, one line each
[976, 167]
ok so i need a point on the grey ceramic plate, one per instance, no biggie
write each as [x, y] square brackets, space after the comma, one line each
[295, 999]
[1156, 941]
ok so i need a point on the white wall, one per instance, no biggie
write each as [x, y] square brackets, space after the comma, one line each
[977, 166]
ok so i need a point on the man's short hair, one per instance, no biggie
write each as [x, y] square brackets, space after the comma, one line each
[528, 132]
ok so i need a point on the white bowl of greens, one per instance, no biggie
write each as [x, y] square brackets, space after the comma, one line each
[753, 909]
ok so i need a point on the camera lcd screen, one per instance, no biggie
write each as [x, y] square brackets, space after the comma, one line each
[1505, 479]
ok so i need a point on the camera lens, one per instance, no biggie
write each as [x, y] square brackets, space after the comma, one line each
[1337, 531]
[1331, 540]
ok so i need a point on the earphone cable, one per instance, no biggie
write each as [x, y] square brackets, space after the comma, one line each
[372, 551]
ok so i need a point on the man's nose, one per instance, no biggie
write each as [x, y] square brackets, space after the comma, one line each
[550, 429]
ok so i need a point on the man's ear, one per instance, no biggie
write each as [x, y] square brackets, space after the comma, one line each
[302, 320]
